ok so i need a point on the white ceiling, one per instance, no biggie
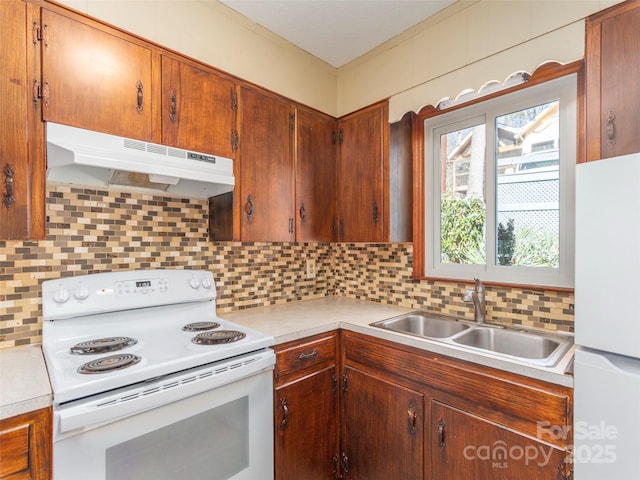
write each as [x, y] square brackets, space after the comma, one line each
[337, 31]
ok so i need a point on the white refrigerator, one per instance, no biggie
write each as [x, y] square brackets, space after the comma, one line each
[607, 320]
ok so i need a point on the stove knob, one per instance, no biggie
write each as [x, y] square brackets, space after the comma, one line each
[206, 283]
[194, 283]
[81, 292]
[61, 296]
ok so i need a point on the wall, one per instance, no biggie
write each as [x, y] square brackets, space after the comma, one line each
[100, 230]
[463, 47]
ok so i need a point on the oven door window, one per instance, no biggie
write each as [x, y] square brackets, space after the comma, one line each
[213, 445]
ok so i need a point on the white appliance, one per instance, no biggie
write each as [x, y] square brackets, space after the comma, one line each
[76, 155]
[607, 316]
[150, 384]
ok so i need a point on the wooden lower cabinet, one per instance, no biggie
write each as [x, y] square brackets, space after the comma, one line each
[25, 446]
[306, 409]
[410, 414]
[465, 445]
[382, 429]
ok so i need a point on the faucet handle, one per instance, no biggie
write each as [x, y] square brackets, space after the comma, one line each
[479, 285]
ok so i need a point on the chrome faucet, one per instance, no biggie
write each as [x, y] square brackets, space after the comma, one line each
[477, 297]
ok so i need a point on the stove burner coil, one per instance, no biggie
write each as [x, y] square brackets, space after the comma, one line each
[200, 326]
[218, 337]
[110, 363]
[102, 345]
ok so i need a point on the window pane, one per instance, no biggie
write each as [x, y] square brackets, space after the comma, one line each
[528, 187]
[462, 202]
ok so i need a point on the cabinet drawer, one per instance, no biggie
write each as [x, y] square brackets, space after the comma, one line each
[300, 357]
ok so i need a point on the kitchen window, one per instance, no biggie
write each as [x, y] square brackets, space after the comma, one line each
[499, 183]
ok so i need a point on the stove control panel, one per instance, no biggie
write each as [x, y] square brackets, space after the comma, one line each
[95, 293]
[142, 287]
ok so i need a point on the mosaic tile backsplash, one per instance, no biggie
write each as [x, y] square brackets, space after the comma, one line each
[102, 230]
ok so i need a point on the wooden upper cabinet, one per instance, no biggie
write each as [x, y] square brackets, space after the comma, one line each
[95, 78]
[364, 152]
[266, 193]
[198, 109]
[613, 91]
[316, 176]
[22, 165]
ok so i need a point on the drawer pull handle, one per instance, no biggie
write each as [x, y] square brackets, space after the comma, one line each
[309, 356]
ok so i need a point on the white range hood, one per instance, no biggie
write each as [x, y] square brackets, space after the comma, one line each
[85, 157]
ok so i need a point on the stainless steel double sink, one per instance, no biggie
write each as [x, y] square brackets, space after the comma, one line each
[530, 346]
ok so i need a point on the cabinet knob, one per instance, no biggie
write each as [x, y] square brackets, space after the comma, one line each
[303, 213]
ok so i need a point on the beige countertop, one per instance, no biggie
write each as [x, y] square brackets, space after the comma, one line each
[24, 382]
[297, 320]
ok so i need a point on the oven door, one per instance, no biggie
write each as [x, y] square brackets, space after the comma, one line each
[220, 434]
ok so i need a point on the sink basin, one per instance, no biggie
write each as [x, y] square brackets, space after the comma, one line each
[423, 325]
[523, 345]
[529, 346]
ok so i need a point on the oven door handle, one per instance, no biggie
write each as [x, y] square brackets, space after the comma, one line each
[107, 408]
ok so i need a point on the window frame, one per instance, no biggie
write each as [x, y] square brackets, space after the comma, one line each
[537, 90]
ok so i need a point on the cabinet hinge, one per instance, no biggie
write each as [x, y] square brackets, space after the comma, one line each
[341, 136]
[292, 121]
[40, 91]
[234, 100]
[345, 381]
[40, 34]
[234, 140]
[565, 470]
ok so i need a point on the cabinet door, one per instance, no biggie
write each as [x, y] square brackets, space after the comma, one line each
[464, 445]
[363, 153]
[383, 429]
[25, 444]
[306, 428]
[198, 108]
[613, 93]
[22, 165]
[94, 78]
[266, 178]
[315, 177]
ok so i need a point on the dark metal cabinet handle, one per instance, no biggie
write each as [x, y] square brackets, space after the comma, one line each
[285, 413]
[309, 356]
[9, 173]
[335, 463]
[248, 208]
[341, 229]
[611, 128]
[441, 426]
[345, 463]
[303, 213]
[375, 212]
[173, 109]
[140, 101]
[291, 225]
[412, 417]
